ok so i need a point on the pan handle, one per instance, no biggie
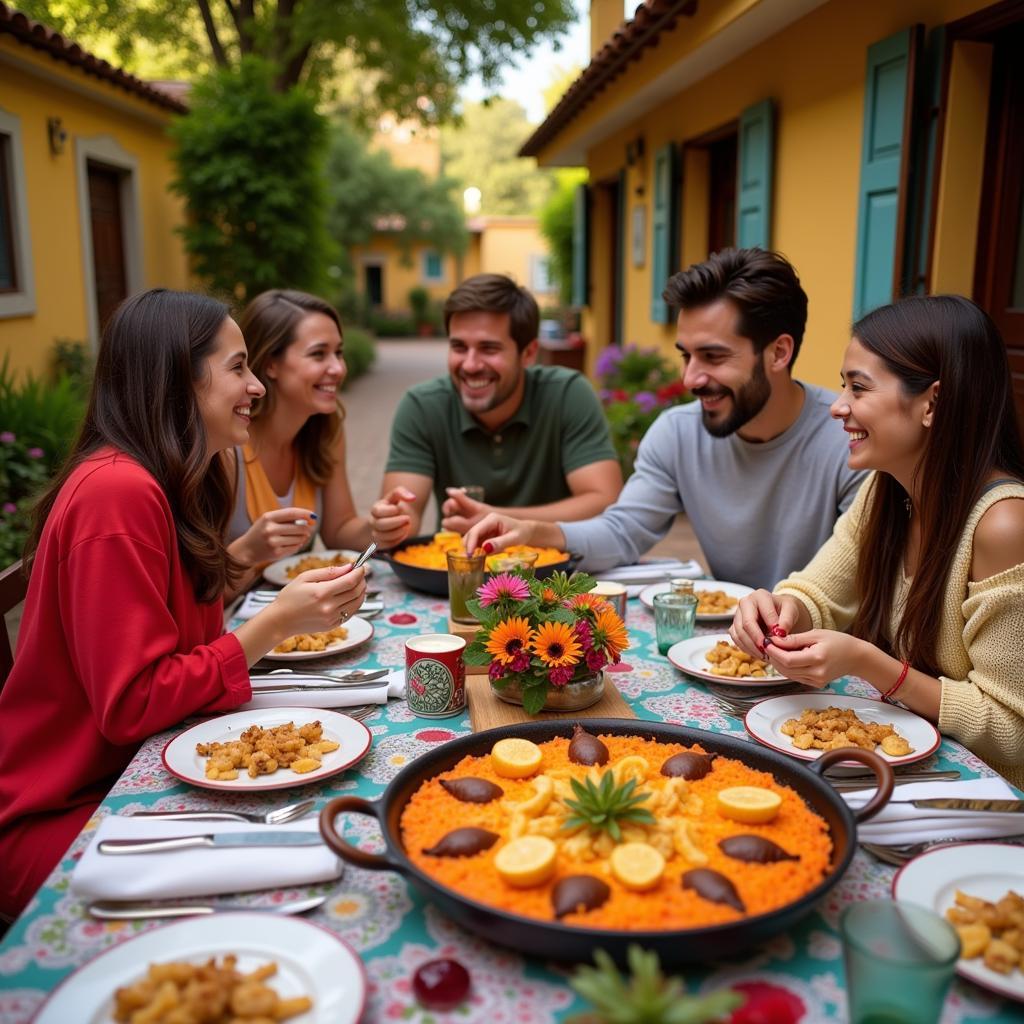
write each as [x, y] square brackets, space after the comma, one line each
[878, 764]
[355, 805]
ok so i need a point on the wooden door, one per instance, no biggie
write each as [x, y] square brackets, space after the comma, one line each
[999, 280]
[109, 272]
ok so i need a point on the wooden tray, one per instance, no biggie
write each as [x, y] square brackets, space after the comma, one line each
[488, 712]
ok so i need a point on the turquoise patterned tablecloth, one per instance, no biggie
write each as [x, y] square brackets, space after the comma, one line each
[394, 929]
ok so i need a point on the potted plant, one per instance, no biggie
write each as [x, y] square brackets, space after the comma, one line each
[546, 642]
[419, 303]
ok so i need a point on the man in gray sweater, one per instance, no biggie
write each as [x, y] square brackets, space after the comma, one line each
[756, 463]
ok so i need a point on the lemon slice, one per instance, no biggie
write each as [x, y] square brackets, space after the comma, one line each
[753, 805]
[515, 759]
[526, 861]
[637, 866]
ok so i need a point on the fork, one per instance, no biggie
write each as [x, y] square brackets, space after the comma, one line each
[899, 855]
[278, 816]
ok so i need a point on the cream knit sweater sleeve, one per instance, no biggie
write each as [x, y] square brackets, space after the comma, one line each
[827, 586]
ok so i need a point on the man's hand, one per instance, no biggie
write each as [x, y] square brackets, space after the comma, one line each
[274, 535]
[390, 519]
[460, 511]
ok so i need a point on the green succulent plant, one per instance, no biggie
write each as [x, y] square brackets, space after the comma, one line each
[605, 805]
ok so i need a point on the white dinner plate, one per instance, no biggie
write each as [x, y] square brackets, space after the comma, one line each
[764, 722]
[277, 572]
[688, 657]
[181, 760]
[985, 870]
[359, 631]
[311, 961]
[736, 590]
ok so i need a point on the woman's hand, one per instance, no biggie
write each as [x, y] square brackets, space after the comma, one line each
[498, 531]
[460, 511]
[763, 616]
[274, 535]
[818, 656]
[319, 599]
[390, 519]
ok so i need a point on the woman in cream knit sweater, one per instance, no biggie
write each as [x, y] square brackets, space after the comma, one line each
[920, 589]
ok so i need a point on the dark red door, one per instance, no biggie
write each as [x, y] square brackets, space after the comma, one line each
[107, 239]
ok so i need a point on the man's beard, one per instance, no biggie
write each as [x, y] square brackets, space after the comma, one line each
[746, 403]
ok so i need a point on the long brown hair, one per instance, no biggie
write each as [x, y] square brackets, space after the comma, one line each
[143, 403]
[924, 339]
[268, 324]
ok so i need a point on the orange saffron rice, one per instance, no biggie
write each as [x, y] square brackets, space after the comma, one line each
[432, 812]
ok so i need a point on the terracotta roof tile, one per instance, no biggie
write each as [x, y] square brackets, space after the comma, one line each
[40, 37]
[649, 20]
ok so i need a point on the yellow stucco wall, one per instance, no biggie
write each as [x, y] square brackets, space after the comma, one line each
[402, 272]
[34, 88]
[814, 70]
[509, 245]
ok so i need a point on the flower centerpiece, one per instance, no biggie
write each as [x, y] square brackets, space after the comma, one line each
[539, 636]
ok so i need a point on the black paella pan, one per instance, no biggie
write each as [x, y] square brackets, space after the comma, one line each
[558, 941]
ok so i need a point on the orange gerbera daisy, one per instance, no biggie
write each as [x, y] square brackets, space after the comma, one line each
[556, 644]
[594, 601]
[610, 634]
[509, 639]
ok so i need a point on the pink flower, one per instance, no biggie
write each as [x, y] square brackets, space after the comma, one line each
[584, 635]
[496, 670]
[521, 662]
[10, 508]
[596, 660]
[560, 675]
[503, 587]
[35, 453]
[7, 437]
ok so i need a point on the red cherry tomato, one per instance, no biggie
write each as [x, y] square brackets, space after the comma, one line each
[440, 984]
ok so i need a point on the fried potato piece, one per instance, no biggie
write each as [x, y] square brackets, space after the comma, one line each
[832, 728]
[262, 751]
[992, 931]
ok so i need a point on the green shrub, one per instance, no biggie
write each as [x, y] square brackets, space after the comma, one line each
[360, 352]
[74, 360]
[391, 325]
[419, 303]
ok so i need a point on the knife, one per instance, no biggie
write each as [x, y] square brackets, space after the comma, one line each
[961, 804]
[115, 910]
[325, 681]
[213, 840]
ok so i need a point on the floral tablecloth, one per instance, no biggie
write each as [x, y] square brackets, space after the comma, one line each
[394, 929]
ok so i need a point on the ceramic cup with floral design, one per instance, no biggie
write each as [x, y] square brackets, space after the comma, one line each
[435, 675]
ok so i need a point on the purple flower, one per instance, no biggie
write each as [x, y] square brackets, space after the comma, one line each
[503, 587]
[608, 360]
[583, 634]
[10, 508]
[560, 675]
[35, 453]
[596, 660]
[647, 400]
[496, 670]
[7, 437]
[521, 662]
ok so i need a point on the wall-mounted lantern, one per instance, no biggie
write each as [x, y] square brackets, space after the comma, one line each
[58, 136]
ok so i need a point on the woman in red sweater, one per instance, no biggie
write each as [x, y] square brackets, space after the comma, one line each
[122, 634]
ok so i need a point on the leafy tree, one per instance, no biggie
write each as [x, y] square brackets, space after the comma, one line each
[556, 225]
[250, 169]
[416, 50]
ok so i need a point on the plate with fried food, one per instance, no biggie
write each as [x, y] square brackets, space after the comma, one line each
[268, 748]
[805, 725]
[716, 659]
[979, 889]
[229, 967]
[284, 570]
[716, 599]
[306, 646]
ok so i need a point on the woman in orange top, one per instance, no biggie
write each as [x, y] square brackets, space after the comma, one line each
[290, 479]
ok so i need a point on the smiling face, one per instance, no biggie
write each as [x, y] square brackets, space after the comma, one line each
[887, 429]
[721, 368]
[226, 389]
[307, 375]
[486, 365]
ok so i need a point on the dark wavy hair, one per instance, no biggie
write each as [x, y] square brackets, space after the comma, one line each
[974, 432]
[268, 324]
[143, 403]
[497, 293]
[762, 285]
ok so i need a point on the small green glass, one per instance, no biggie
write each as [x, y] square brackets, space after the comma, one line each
[465, 577]
[674, 618]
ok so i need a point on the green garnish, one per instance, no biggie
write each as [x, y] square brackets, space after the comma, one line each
[605, 805]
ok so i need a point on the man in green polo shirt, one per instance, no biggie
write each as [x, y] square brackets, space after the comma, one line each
[534, 437]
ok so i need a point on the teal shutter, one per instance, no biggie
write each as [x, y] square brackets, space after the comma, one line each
[664, 228]
[881, 171]
[756, 153]
[581, 248]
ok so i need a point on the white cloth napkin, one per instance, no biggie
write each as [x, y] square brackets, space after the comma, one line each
[313, 697]
[652, 572]
[900, 822]
[250, 605]
[199, 872]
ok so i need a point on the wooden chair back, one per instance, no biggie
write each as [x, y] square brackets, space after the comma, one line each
[13, 587]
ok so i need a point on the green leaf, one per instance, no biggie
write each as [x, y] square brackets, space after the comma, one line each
[534, 698]
[477, 656]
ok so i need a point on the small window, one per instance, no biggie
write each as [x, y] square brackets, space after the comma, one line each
[433, 266]
[8, 264]
[540, 274]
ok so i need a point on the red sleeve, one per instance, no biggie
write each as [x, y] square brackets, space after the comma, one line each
[146, 652]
